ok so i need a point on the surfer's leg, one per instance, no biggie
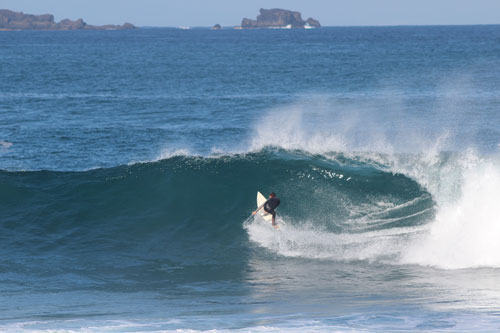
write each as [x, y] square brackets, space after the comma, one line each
[273, 213]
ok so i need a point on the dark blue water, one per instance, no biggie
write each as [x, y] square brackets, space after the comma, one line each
[130, 161]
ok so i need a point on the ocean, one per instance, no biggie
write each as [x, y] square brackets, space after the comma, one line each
[130, 163]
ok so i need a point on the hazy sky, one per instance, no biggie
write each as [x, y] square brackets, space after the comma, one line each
[230, 12]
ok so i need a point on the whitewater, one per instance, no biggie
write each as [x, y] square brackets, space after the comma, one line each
[463, 185]
[127, 186]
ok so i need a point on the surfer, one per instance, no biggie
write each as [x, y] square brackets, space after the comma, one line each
[270, 206]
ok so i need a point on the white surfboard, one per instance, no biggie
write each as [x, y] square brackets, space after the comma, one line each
[260, 200]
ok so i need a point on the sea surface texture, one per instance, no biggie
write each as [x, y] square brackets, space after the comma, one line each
[130, 163]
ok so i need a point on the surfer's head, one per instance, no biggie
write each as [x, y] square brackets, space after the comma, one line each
[272, 194]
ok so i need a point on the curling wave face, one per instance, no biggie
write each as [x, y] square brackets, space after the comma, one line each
[390, 208]
[333, 205]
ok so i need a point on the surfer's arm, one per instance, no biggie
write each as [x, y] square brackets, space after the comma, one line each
[260, 207]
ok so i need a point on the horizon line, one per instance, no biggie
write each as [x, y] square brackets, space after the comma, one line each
[325, 26]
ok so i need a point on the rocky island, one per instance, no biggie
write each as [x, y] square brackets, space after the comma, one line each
[10, 20]
[279, 18]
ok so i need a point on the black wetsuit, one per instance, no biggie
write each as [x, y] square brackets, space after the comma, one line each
[271, 205]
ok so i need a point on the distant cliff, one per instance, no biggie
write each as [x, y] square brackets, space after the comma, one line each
[10, 20]
[279, 18]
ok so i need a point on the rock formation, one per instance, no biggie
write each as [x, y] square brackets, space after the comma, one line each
[313, 23]
[216, 27]
[279, 18]
[10, 20]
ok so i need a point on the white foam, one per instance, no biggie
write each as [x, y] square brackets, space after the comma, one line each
[466, 231]
[85, 326]
[457, 322]
[168, 153]
[165, 154]
[309, 241]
